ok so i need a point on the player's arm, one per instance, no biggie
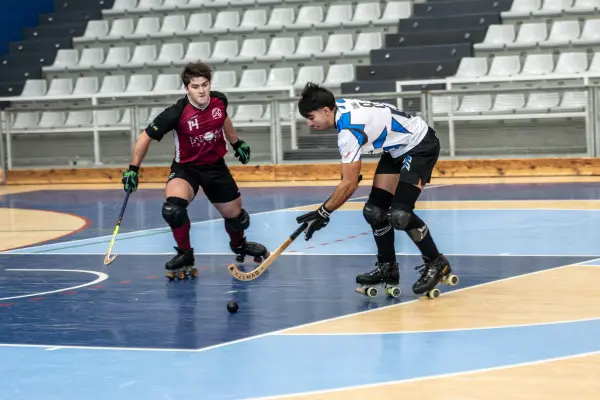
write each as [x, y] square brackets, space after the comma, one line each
[347, 187]
[350, 150]
[164, 122]
[241, 148]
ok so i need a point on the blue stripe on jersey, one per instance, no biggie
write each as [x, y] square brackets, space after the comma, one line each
[378, 143]
[397, 127]
[357, 130]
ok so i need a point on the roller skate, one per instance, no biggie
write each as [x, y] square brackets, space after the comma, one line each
[432, 274]
[181, 266]
[385, 273]
[256, 250]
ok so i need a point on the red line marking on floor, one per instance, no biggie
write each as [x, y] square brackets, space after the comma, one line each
[6, 304]
[97, 287]
[125, 282]
[69, 292]
[324, 244]
[36, 299]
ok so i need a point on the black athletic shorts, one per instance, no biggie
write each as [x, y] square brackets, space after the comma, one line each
[215, 180]
[416, 165]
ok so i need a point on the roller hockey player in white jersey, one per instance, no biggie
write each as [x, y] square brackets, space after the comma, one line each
[409, 150]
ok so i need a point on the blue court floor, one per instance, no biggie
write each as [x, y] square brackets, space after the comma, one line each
[72, 328]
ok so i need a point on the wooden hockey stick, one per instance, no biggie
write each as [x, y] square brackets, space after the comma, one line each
[108, 258]
[258, 271]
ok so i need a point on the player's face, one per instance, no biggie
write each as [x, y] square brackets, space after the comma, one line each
[199, 91]
[320, 120]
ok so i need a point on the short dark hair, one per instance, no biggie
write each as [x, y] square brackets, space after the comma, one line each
[195, 69]
[315, 97]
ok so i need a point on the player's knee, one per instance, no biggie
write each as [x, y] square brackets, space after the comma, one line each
[239, 223]
[174, 212]
[376, 208]
[399, 218]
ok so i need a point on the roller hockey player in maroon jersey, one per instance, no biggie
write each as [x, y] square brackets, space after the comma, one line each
[409, 150]
[200, 127]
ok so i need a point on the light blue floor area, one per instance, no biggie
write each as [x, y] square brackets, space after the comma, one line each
[262, 367]
[476, 232]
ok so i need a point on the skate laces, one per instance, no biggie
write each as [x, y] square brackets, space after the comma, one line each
[427, 269]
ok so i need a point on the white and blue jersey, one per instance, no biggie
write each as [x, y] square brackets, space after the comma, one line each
[367, 127]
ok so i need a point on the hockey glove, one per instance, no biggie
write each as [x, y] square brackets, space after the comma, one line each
[316, 220]
[242, 151]
[130, 178]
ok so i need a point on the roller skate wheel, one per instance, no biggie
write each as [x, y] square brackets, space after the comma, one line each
[434, 294]
[239, 259]
[194, 272]
[452, 280]
[393, 291]
[257, 260]
[371, 292]
[181, 275]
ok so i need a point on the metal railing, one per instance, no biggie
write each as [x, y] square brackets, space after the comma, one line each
[286, 95]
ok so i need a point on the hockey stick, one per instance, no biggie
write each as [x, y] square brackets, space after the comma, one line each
[108, 258]
[258, 271]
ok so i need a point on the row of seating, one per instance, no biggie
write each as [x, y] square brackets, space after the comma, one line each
[517, 103]
[233, 21]
[166, 6]
[540, 35]
[534, 65]
[224, 51]
[116, 119]
[222, 80]
[120, 119]
[523, 9]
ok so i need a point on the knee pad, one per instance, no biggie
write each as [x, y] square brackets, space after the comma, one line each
[239, 223]
[174, 212]
[399, 218]
[375, 210]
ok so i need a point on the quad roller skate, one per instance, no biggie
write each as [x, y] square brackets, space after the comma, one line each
[181, 266]
[432, 274]
[256, 250]
[385, 273]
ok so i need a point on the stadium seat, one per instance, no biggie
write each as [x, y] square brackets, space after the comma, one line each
[497, 37]
[505, 66]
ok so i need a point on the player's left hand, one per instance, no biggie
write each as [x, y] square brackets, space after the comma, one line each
[316, 220]
[242, 151]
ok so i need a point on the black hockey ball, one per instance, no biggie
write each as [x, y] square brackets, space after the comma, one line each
[232, 307]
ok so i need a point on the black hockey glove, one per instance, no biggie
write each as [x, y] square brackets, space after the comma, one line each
[130, 178]
[242, 151]
[316, 220]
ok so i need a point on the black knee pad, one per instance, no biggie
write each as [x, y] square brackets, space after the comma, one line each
[376, 208]
[174, 212]
[399, 218]
[239, 223]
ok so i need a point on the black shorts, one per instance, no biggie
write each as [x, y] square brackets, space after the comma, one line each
[416, 165]
[216, 180]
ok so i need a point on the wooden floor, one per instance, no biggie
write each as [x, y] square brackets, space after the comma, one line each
[561, 295]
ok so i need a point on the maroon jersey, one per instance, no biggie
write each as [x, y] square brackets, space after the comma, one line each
[198, 133]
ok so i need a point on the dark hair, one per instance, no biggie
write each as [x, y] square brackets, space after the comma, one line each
[195, 69]
[315, 97]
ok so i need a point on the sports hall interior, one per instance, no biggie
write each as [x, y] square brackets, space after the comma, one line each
[511, 88]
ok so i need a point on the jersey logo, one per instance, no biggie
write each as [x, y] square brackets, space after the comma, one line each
[406, 163]
[217, 113]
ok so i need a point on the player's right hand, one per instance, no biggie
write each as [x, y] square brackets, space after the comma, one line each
[316, 220]
[130, 178]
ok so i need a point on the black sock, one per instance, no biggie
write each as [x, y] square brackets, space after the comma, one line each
[420, 235]
[384, 237]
